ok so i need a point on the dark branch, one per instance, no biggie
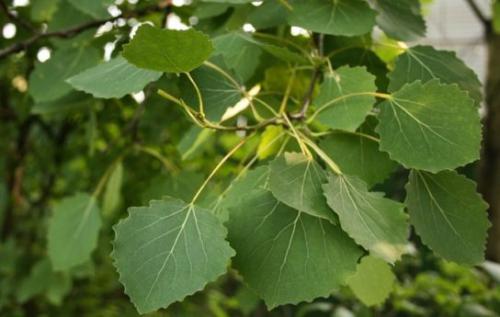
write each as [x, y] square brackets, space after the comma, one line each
[479, 14]
[68, 33]
[306, 101]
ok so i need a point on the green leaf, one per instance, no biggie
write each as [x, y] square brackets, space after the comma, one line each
[47, 82]
[218, 92]
[168, 251]
[194, 141]
[430, 127]
[285, 255]
[373, 281]
[73, 231]
[496, 17]
[95, 8]
[210, 10]
[426, 63]
[283, 53]
[268, 144]
[43, 280]
[252, 181]
[74, 101]
[42, 10]
[339, 17]
[182, 185]
[269, 14]
[376, 223]
[401, 20]
[167, 50]
[360, 56]
[66, 16]
[245, 184]
[113, 79]
[358, 155]
[112, 195]
[240, 54]
[343, 100]
[448, 215]
[296, 181]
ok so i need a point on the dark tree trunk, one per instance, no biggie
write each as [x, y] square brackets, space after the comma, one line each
[489, 168]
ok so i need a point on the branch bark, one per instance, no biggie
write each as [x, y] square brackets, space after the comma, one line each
[480, 15]
[489, 168]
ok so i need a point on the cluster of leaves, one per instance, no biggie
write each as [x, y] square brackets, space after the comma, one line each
[314, 124]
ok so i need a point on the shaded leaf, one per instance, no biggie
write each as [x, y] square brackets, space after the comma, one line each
[269, 14]
[95, 8]
[47, 82]
[401, 19]
[43, 280]
[218, 92]
[74, 101]
[113, 79]
[73, 231]
[448, 215]
[240, 54]
[358, 156]
[376, 223]
[285, 255]
[296, 181]
[426, 63]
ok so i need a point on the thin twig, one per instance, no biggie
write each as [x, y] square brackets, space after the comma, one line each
[306, 101]
[479, 14]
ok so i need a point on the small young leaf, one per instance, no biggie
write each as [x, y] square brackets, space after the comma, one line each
[373, 281]
[430, 127]
[285, 255]
[48, 80]
[358, 156]
[376, 223]
[167, 50]
[341, 97]
[168, 251]
[269, 144]
[296, 181]
[112, 193]
[113, 79]
[340, 17]
[448, 215]
[425, 63]
[73, 231]
[401, 20]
